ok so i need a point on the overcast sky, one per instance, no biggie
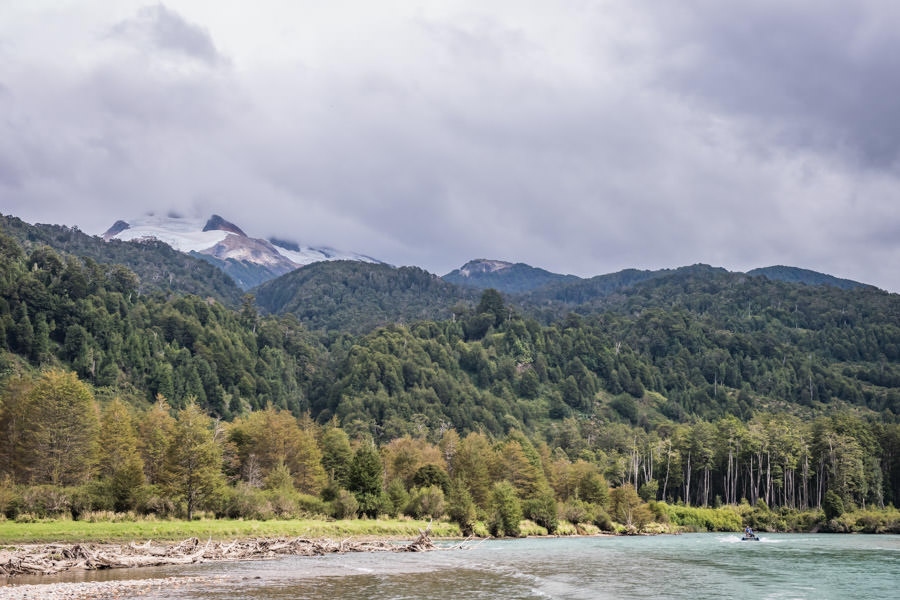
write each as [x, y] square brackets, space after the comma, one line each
[579, 136]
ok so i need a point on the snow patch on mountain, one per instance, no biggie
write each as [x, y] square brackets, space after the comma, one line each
[305, 255]
[183, 234]
[219, 238]
[483, 265]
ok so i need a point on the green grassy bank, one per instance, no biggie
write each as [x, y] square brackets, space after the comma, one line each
[219, 529]
[762, 518]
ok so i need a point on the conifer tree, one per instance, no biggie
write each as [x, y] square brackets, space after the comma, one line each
[507, 510]
[336, 454]
[365, 479]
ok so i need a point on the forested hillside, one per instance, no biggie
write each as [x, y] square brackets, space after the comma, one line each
[158, 267]
[504, 277]
[795, 275]
[690, 385]
[59, 310]
[357, 297]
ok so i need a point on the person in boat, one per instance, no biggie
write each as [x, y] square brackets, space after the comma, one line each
[748, 532]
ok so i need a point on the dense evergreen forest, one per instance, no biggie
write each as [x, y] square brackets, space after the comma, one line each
[356, 297]
[698, 386]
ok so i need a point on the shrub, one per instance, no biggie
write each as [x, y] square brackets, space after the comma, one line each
[148, 500]
[246, 502]
[832, 505]
[283, 502]
[575, 511]
[344, 505]
[426, 502]
[312, 506]
[45, 501]
[542, 510]
[461, 507]
[602, 520]
[587, 529]
[659, 511]
[507, 512]
[10, 499]
[398, 497]
[566, 528]
[82, 500]
[530, 528]
[692, 518]
[480, 529]
[372, 504]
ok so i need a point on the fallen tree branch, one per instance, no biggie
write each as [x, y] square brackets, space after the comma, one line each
[55, 558]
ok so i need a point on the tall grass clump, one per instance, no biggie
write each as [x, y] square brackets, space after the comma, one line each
[725, 518]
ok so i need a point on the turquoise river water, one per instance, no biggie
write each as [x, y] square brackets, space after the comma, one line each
[693, 566]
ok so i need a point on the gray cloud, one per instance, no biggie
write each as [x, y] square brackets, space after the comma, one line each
[575, 137]
[820, 74]
[163, 29]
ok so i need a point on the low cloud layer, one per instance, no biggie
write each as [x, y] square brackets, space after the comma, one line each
[581, 137]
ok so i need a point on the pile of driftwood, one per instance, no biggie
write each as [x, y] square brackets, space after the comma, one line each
[54, 558]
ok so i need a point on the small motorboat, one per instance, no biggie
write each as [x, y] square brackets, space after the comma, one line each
[750, 537]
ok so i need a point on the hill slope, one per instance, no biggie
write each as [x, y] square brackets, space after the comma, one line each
[805, 276]
[357, 297]
[503, 276]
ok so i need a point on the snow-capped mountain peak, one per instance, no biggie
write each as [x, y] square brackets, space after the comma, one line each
[250, 261]
[483, 265]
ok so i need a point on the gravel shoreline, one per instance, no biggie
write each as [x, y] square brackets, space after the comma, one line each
[97, 590]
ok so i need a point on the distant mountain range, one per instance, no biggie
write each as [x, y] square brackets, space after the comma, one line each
[503, 276]
[249, 261]
[520, 278]
[327, 289]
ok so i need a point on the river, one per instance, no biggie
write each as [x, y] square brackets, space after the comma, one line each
[690, 566]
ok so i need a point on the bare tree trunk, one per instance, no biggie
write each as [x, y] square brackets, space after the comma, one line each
[666, 482]
[687, 482]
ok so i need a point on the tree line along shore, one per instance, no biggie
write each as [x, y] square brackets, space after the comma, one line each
[68, 458]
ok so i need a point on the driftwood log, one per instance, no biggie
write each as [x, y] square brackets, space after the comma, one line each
[55, 558]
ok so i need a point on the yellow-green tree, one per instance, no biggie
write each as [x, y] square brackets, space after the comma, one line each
[403, 457]
[14, 420]
[156, 429]
[472, 466]
[193, 467]
[269, 438]
[119, 462]
[61, 433]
